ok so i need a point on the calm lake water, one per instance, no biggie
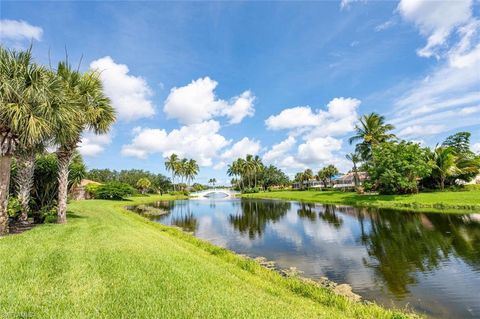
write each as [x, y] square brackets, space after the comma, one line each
[428, 262]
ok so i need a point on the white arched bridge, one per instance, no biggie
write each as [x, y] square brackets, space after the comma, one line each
[214, 191]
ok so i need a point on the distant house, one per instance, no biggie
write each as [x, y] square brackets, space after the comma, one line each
[307, 184]
[474, 181]
[78, 191]
[348, 180]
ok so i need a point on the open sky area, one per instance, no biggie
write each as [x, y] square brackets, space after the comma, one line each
[215, 81]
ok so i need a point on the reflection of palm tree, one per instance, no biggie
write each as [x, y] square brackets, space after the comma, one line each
[330, 216]
[255, 215]
[307, 211]
[187, 221]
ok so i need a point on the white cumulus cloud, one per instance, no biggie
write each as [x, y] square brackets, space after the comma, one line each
[197, 102]
[93, 144]
[17, 30]
[200, 141]
[241, 149]
[338, 119]
[278, 151]
[130, 95]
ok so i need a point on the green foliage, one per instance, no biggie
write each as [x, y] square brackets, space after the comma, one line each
[91, 189]
[370, 131]
[196, 187]
[396, 167]
[159, 183]
[251, 190]
[143, 184]
[114, 190]
[14, 207]
[45, 188]
[460, 142]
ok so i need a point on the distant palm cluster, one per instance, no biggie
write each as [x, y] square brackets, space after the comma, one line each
[43, 107]
[249, 174]
[186, 169]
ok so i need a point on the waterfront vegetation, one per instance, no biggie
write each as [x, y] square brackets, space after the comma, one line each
[111, 263]
[460, 201]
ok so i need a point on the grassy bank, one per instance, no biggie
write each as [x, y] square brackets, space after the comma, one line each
[111, 263]
[450, 202]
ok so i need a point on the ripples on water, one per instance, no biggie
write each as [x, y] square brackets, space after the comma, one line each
[428, 262]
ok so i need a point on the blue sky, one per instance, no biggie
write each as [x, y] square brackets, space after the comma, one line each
[285, 80]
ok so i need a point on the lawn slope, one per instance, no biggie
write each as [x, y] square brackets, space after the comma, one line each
[447, 202]
[110, 263]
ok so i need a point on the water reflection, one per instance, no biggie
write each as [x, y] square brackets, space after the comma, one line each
[253, 216]
[429, 261]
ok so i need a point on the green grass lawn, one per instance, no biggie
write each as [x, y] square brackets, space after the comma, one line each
[458, 201]
[111, 263]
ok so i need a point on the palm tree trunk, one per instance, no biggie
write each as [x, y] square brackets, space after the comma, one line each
[64, 156]
[24, 180]
[8, 143]
[5, 162]
[173, 181]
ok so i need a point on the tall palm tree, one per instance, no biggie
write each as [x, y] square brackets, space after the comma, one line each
[171, 164]
[212, 181]
[371, 131]
[191, 170]
[94, 112]
[355, 159]
[444, 164]
[24, 110]
[257, 167]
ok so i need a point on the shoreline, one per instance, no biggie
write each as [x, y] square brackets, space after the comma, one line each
[343, 290]
[370, 201]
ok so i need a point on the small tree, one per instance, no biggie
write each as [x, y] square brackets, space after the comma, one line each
[143, 184]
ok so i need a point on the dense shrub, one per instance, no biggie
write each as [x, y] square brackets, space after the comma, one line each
[251, 190]
[114, 190]
[14, 208]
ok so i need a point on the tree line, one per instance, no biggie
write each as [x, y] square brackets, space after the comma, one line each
[249, 174]
[397, 166]
[144, 181]
[325, 175]
[42, 107]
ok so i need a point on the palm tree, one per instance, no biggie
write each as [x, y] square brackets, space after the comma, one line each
[171, 165]
[212, 181]
[371, 131]
[355, 159]
[24, 116]
[191, 170]
[143, 184]
[444, 164]
[94, 112]
[257, 167]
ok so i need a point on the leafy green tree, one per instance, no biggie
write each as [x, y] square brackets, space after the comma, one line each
[143, 184]
[395, 168]
[372, 130]
[114, 190]
[273, 176]
[460, 142]
[102, 175]
[94, 112]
